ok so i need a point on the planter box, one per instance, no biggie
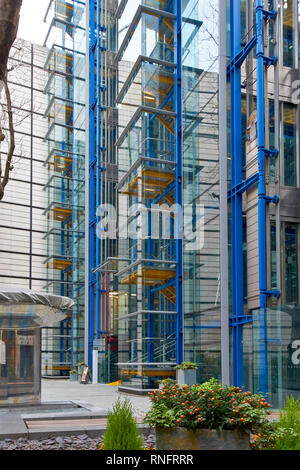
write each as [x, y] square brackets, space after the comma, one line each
[201, 439]
[73, 377]
[186, 377]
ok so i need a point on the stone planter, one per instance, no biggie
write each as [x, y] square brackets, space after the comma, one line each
[73, 377]
[201, 439]
[186, 376]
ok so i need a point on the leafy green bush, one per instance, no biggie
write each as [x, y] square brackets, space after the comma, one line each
[209, 405]
[122, 432]
[186, 366]
[288, 427]
[282, 434]
[167, 382]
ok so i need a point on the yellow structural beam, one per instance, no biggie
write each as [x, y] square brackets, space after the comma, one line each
[61, 163]
[170, 294]
[59, 368]
[150, 373]
[169, 23]
[59, 264]
[61, 213]
[153, 181]
[167, 125]
[149, 276]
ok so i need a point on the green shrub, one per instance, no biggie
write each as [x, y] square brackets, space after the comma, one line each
[288, 426]
[283, 434]
[187, 365]
[122, 432]
[167, 382]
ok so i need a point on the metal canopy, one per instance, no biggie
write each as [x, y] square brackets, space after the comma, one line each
[16, 296]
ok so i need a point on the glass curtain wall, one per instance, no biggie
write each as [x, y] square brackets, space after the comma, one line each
[78, 178]
[103, 337]
[147, 193]
[278, 348]
[65, 187]
[201, 194]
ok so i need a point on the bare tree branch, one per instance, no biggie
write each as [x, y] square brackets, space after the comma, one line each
[11, 135]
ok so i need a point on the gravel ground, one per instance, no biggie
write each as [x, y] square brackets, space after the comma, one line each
[80, 442]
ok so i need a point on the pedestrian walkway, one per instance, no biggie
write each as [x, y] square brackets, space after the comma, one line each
[96, 396]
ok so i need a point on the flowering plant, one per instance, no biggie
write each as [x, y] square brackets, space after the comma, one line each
[209, 406]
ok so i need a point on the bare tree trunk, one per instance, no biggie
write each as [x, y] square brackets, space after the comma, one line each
[9, 23]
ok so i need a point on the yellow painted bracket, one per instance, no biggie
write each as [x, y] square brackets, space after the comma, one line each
[115, 384]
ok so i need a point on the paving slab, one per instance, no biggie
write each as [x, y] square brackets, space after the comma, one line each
[67, 408]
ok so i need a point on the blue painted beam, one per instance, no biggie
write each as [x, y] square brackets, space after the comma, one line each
[163, 286]
[178, 182]
[236, 204]
[262, 62]
[241, 55]
[243, 186]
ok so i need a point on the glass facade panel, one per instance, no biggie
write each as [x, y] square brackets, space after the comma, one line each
[291, 263]
[20, 366]
[290, 145]
[288, 42]
[283, 353]
[201, 194]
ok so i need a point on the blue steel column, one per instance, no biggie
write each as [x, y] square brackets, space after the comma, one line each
[73, 199]
[238, 187]
[91, 183]
[236, 200]
[261, 197]
[262, 61]
[178, 184]
[98, 166]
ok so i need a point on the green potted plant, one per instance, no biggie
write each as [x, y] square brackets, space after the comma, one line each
[73, 375]
[205, 417]
[186, 373]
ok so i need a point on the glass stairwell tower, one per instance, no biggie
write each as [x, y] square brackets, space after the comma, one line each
[161, 274]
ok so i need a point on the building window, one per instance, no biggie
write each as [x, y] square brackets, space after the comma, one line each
[291, 281]
[288, 42]
[289, 161]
